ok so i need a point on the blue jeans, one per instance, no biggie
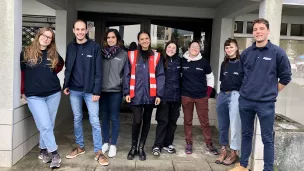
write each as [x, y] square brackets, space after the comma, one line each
[76, 98]
[44, 111]
[265, 112]
[109, 108]
[227, 107]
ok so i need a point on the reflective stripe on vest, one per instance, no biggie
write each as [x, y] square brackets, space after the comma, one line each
[153, 61]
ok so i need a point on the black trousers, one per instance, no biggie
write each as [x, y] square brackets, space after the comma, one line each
[166, 116]
[141, 115]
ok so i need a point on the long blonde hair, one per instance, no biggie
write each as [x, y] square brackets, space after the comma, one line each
[33, 54]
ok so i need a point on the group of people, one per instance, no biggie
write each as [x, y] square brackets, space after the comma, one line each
[101, 76]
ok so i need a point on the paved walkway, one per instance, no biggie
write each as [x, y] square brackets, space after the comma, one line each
[200, 160]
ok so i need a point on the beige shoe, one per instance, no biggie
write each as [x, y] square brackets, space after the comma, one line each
[222, 156]
[231, 159]
[101, 158]
[238, 167]
[75, 152]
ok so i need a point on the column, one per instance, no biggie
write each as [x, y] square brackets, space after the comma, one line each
[223, 29]
[65, 19]
[10, 48]
[272, 11]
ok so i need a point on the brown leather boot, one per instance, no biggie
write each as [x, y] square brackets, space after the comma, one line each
[222, 156]
[231, 159]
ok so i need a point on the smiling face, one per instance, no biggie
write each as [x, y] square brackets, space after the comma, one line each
[80, 30]
[45, 39]
[260, 32]
[231, 50]
[144, 41]
[171, 49]
[111, 39]
[194, 49]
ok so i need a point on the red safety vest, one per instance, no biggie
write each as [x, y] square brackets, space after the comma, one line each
[153, 61]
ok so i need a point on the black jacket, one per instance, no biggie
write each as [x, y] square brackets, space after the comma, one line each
[173, 77]
[91, 64]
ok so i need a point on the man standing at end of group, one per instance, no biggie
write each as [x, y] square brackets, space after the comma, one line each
[261, 66]
[83, 82]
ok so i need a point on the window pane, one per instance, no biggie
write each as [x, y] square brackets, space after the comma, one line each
[297, 30]
[238, 27]
[160, 35]
[91, 30]
[249, 27]
[128, 34]
[284, 29]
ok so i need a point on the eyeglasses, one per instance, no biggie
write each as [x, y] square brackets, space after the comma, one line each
[46, 37]
[194, 47]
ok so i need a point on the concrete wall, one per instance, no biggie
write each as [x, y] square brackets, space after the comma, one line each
[125, 8]
[33, 7]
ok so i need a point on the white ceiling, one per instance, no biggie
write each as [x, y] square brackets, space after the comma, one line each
[178, 3]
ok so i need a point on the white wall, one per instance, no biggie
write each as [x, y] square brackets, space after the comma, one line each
[33, 7]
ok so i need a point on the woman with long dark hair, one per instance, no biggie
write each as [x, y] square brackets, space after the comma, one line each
[40, 86]
[169, 109]
[113, 63]
[143, 87]
[197, 84]
[227, 104]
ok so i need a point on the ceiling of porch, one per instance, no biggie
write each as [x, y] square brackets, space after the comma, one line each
[178, 3]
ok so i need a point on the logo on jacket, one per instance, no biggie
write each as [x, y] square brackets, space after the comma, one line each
[225, 73]
[185, 68]
[89, 56]
[201, 69]
[267, 59]
[117, 59]
[236, 73]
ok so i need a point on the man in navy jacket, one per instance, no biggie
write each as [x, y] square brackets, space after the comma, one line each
[265, 70]
[83, 82]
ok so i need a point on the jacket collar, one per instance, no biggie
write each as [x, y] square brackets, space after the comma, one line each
[267, 45]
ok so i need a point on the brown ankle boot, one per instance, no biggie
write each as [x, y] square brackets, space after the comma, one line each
[231, 159]
[222, 156]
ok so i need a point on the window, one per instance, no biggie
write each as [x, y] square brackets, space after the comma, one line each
[238, 26]
[284, 29]
[297, 30]
[249, 29]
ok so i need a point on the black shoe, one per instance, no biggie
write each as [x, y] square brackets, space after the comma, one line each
[132, 153]
[170, 149]
[156, 151]
[212, 149]
[141, 153]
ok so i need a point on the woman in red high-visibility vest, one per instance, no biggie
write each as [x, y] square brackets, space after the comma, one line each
[143, 85]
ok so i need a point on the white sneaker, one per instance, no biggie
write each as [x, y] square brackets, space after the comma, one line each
[112, 151]
[105, 147]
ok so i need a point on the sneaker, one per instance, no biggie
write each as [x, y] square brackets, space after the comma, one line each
[56, 160]
[44, 156]
[170, 149]
[212, 150]
[101, 158]
[156, 151]
[112, 151]
[40, 155]
[105, 148]
[75, 152]
[188, 149]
